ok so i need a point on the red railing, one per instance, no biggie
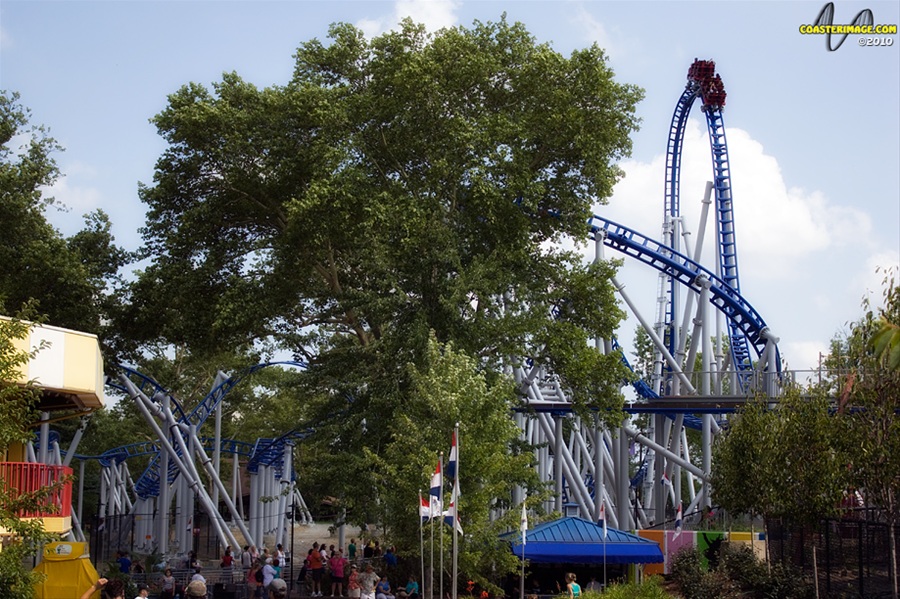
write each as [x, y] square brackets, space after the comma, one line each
[18, 478]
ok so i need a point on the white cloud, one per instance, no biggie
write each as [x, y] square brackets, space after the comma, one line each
[6, 40]
[775, 226]
[805, 259]
[434, 14]
[372, 27]
[596, 32]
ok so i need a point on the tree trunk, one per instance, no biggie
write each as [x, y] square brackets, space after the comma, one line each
[892, 539]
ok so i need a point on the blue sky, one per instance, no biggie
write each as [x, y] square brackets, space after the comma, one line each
[814, 136]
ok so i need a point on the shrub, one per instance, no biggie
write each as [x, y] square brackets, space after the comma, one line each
[651, 588]
[687, 570]
[742, 566]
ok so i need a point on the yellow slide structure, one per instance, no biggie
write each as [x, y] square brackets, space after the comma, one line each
[69, 571]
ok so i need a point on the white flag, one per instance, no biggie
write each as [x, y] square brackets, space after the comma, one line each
[678, 520]
[603, 519]
[524, 526]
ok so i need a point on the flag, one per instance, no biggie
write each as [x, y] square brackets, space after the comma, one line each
[524, 525]
[451, 515]
[603, 519]
[424, 508]
[437, 483]
[451, 462]
[677, 521]
[665, 481]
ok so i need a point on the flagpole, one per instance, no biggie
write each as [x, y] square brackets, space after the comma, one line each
[455, 498]
[422, 541]
[431, 563]
[603, 521]
[524, 528]
[441, 569]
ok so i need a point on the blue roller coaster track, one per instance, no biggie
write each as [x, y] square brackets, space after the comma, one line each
[148, 483]
[705, 84]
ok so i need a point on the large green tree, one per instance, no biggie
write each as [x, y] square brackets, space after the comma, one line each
[397, 190]
[393, 187]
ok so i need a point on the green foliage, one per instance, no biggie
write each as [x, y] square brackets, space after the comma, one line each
[395, 215]
[650, 588]
[885, 342]
[872, 437]
[738, 574]
[397, 186]
[17, 412]
[396, 464]
[17, 403]
[784, 462]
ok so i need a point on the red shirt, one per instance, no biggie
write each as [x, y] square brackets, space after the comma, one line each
[315, 561]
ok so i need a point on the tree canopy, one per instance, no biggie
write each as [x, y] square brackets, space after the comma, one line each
[393, 187]
[401, 202]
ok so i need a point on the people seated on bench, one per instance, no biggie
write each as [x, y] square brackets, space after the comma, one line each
[383, 589]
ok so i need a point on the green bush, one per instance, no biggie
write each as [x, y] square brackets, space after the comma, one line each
[651, 588]
[687, 570]
[784, 582]
[742, 566]
[739, 574]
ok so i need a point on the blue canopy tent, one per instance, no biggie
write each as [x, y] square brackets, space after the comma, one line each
[578, 541]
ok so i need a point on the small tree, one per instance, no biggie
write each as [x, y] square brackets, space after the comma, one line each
[870, 400]
[783, 461]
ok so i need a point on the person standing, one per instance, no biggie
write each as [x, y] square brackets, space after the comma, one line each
[367, 582]
[353, 589]
[269, 574]
[124, 562]
[390, 557]
[317, 568]
[168, 585]
[336, 566]
[254, 582]
[573, 587]
[351, 550]
[246, 558]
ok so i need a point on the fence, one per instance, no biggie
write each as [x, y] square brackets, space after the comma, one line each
[851, 556]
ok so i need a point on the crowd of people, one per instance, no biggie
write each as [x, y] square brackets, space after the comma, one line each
[353, 572]
[325, 571]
